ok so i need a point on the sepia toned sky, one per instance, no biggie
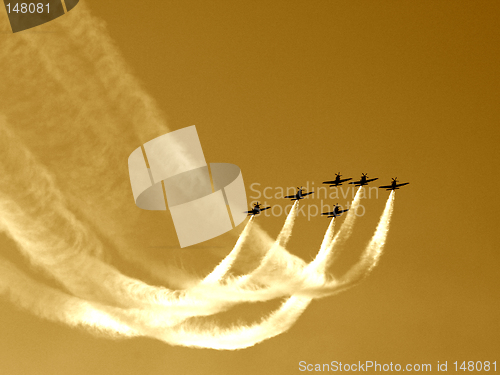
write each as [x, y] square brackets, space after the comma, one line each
[292, 93]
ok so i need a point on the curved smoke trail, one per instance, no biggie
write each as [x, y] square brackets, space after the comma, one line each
[225, 265]
[272, 261]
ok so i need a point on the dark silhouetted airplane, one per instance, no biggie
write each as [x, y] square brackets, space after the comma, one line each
[257, 209]
[394, 185]
[336, 211]
[300, 194]
[338, 181]
[363, 181]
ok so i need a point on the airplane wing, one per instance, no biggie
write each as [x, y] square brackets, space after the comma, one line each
[345, 179]
[403, 184]
[342, 211]
[290, 196]
[327, 213]
[355, 182]
[372, 179]
[304, 194]
[331, 182]
[385, 187]
[249, 212]
[263, 209]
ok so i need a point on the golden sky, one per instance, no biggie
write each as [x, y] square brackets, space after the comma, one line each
[292, 93]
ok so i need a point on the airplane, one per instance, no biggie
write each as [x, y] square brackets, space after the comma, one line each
[337, 181]
[394, 185]
[336, 211]
[300, 194]
[363, 181]
[257, 209]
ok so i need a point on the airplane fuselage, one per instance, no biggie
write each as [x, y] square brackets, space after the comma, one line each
[394, 185]
[363, 181]
[299, 195]
[337, 182]
[335, 213]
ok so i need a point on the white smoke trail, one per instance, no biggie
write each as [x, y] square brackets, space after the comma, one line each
[319, 263]
[240, 337]
[369, 259]
[345, 230]
[286, 231]
[373, 251]
[272, 261]
[326, 255]
[264, 241]
[225, 265]
[52, 304]
[105, 115]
